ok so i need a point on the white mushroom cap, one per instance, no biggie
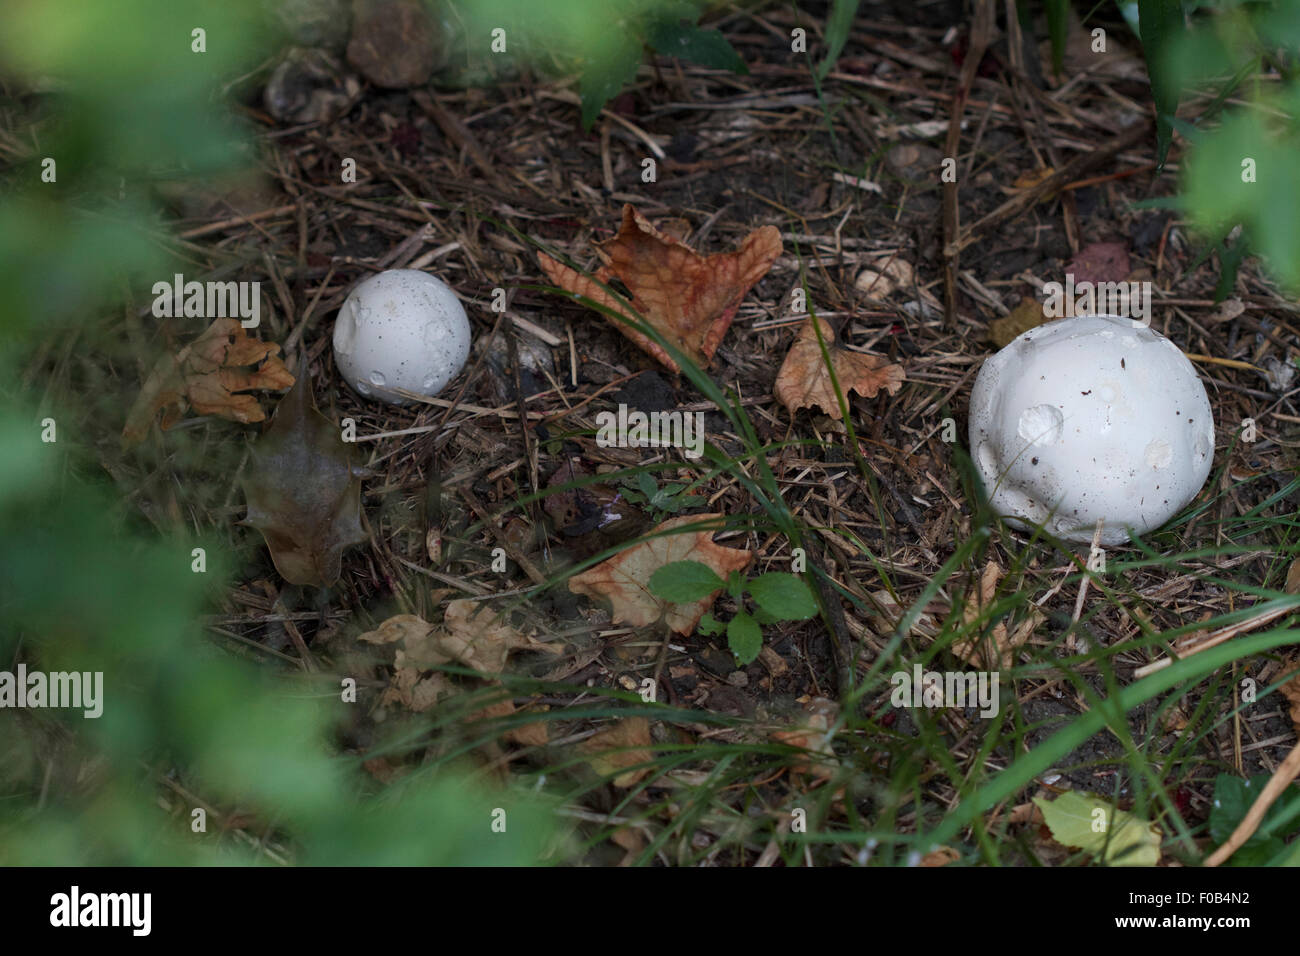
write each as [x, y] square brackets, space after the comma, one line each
[1086, 418]
[402, 328]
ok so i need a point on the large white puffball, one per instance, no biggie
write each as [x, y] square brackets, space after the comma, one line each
[1088, 418]
[400, 329]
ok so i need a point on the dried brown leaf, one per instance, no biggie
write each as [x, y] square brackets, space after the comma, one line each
[813, 735]
[623, 580]
[473, 636]
[804, 379]
[687, 298]
[626, 744]
[976, 650]
[207, 375]
[532, 734]
[1291, 691]
[302, 492]
[940, 857]
[1025, 316]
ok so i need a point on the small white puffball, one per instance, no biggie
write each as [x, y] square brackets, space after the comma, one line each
[1086, 418]
[402, 328]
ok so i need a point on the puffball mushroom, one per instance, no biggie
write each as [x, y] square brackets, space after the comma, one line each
[400, 329]
[1090, 418]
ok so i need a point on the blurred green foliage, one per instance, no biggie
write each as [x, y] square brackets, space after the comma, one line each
[1237, 186]
[603, 42]
[1237, 171]
[122, 97]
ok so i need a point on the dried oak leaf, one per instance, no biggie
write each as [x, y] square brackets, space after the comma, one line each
[1006, 644]
[687, 298]
[624, 579]
[474, 637]
[471, 635]
[208, 374]
[302, 492]
[626, 744]
[804, 380]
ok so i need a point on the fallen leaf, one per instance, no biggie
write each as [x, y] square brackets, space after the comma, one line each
[208, 375]
[1030, 179]
[414, 692]
[976, 650]
[1025, 316]
[383, 769]
[1112, 836]
[1291, 691]
[804, 379]
[399, 627]
[472, 635]
[532, 734]
[926, 623]
[813, 735]
[687, 298]
[302, 492]
[886, 276]
[940, 857]
[407, 687]
[631, 841]
[626, 744]
[1228, 310]
[623, 580]
[1100, 262]
[1026, 813]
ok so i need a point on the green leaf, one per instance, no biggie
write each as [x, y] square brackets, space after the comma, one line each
[1112, 836]
[605, 76]
[682, 582]
[837, 32]
[1161, 21]
[646, 483]
[1232, 800]
[1231, 256]
[663, 498]
[785, 596]
[1245, 172]
[744, 637]
[690, 42]
[709, 625]
[1058, 24]
[735, 585]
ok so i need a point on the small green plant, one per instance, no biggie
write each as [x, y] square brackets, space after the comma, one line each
[1236, 179]
[777, 596]
[664, 501]
[1233, 797]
